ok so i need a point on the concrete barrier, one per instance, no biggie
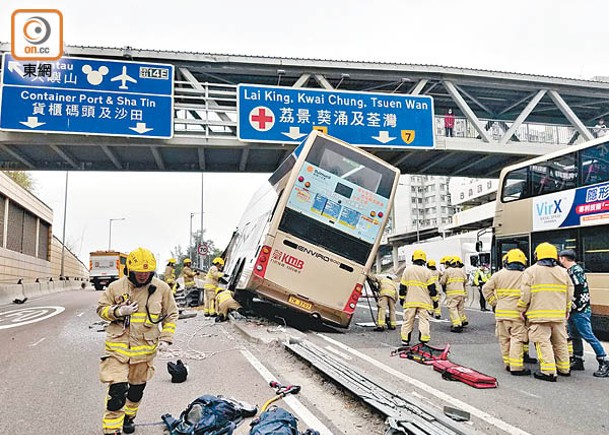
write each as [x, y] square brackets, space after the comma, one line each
[8, 292]
[32, 289]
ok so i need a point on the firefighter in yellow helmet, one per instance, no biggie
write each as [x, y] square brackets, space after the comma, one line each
[142, 314]
[211, 283]
[453, 281]
[188, 274]
[437, 311]
[170, 273]
[226, 303]
[417, 288]
[502, 292]
[388, 296]
[545, 300]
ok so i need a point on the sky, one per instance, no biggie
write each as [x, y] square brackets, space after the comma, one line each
[549, 37]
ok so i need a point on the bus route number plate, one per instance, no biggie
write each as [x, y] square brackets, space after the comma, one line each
[300, 303]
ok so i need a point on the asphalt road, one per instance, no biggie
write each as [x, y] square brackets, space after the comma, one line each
[49, 384]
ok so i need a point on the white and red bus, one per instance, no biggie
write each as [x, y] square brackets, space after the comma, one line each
[311, 233]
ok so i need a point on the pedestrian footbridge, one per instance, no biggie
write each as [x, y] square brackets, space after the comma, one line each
[501, 117]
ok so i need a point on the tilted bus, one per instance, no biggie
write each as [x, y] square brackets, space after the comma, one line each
[310, 234]
[561, 198]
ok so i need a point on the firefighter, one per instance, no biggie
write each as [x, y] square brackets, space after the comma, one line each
[226, 303]
[388, 296]
[545, 300]
[502, 292]
[211, 283]
[417, 288]
[453, 281]
[135, 305]
[170, 274]
[188, 274]
[437, 311]
[482, 275]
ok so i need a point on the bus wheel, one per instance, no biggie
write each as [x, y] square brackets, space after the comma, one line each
[98, 286]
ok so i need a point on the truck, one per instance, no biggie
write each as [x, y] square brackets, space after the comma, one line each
[106, 267]
[473, 247]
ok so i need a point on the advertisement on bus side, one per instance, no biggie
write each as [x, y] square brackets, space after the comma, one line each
[583, 206]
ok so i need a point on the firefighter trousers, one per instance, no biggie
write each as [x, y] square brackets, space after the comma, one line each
[112, 372]
[408, 325]
[228, 305]
[456, 309]
[385, 302]
[550, 339]
[511, 334]
[210, 302]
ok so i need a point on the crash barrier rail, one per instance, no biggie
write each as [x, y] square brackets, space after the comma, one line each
[20, 289]
[404, 413]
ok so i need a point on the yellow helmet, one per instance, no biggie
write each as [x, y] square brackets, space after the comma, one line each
[455, 259]
[172, 261]
[516, 256]
[419, 255]
[141, 260]
[546, 250]
[187, 261]
[218, 260]
[504, 258]
[445, 259]
[431, 263]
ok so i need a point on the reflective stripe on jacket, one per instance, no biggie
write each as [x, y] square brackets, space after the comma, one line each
[546, 294]
[138, 341]
[416, 279]
[189, 277]
[387, 286]
[502, 291]
[454, 281]
[212, 277]
[170, 275]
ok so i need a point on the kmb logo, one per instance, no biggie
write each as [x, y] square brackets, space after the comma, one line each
[37, 34]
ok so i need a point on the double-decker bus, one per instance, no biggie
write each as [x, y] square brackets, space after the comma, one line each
[561, 198]
[310, 234]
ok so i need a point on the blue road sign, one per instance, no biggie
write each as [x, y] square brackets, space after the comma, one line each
[279, 114]
[87, 96]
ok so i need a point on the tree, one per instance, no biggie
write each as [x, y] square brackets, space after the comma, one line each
[22, 178]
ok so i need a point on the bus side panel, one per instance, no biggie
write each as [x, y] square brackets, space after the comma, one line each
[297, 275]
[505, 223]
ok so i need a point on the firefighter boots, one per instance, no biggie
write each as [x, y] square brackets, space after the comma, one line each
[379, 328]
[544, 377]
[128, 425]
[524, 372]
[529, 359]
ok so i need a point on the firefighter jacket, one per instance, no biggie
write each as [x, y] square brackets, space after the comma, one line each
[212, 277]
[135, 340]
[223, 297]
[387, 286]
[420, 287]
[189, 277]
[170, 275]
[453, 279]
[502, 292]
[546, 294]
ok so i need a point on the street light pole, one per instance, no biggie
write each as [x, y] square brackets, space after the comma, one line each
[190, 238]
[110, 231]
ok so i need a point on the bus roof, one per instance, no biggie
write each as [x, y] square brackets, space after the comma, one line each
[566, 150]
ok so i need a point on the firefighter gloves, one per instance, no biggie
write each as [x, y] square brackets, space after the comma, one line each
[178, 371]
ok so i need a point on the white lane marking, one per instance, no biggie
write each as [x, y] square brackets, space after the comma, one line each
[24, 316]
[365, 306]
[529, 394]
[305, 415]
[339, 353]
[38, 342]
[79, 315]
[429, 389]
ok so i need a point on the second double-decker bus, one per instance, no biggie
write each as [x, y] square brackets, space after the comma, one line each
[561, 198]
[311, 233]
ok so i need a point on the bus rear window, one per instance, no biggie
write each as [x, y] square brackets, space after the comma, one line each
[352, 166]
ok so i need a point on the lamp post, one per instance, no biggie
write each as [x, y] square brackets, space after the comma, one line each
[110, 231]
[190, 241]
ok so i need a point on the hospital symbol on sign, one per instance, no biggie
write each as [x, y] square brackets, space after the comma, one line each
[262, 118]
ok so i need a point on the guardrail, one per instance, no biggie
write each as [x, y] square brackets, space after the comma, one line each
[33, 287]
